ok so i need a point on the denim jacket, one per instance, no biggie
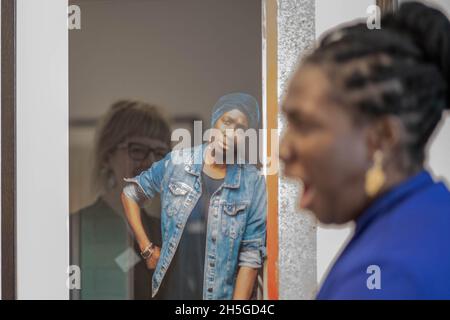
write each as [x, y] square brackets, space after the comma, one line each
[236, 228]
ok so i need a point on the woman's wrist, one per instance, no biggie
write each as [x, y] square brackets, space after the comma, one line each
[144, 244]
[147, 251]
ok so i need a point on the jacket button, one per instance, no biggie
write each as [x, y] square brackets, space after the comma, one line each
[210, 289]
[212, 264]
[179, 225]
[213, 239]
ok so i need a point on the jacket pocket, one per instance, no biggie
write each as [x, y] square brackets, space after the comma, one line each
[175, 197]
[233, 219]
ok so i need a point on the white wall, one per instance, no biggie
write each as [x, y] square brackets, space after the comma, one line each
[332, 13]
[439, 150]
[42, 149]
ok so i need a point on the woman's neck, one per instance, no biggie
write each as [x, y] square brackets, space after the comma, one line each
[212, 168]
[397, 175]
[112, 199]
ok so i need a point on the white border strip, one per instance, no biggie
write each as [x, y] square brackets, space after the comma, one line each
[42, 149]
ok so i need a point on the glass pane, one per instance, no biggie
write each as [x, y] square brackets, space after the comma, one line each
[139, 70]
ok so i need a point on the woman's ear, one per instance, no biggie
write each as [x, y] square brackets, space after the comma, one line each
[385, 134]
[107, 162]
[392, 131]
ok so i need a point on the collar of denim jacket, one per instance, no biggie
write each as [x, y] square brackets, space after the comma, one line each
[195, 165]
[233, 177]
[195, 162]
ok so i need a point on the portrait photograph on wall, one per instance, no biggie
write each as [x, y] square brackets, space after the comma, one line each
[138, 72]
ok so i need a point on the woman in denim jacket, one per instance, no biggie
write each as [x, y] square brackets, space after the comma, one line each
[213, 216]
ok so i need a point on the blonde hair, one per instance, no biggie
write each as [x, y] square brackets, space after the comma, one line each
[126, 118]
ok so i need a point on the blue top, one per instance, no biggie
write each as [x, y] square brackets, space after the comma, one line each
[400, 248]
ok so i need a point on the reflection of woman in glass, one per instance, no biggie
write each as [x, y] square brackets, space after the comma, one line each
[213, 215]
[131, 137]
[361, 109]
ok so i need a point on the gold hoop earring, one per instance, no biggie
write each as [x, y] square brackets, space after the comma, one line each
[375, 177]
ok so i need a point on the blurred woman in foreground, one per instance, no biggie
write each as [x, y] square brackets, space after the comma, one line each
[360, 110]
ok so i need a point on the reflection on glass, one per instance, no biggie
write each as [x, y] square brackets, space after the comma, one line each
[130, 138]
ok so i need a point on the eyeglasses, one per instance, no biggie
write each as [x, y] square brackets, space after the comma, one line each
[139, 152]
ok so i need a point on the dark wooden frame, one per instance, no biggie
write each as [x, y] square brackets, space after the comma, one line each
[8, 153]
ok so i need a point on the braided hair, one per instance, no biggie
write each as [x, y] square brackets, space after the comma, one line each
[402, 69]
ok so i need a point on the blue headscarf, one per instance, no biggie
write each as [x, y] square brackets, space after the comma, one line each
[240, 101]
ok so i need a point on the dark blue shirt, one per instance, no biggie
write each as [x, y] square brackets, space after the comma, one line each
[400, 248]
[184, 278]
